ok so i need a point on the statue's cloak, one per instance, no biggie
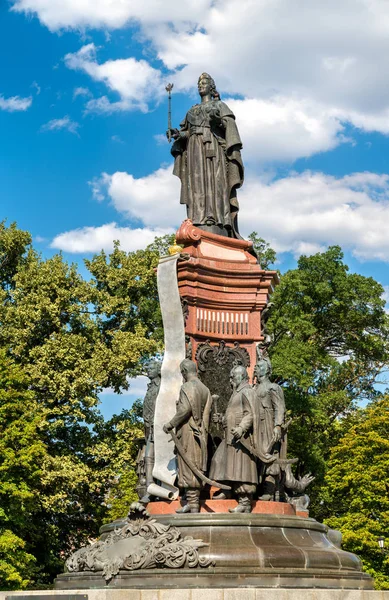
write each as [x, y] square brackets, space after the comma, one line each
[209, 164]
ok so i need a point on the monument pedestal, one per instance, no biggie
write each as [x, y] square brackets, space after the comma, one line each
[233, 551]
[223, 290]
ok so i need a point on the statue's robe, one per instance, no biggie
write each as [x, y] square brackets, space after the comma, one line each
[192, 424]
[231, 461]
[209, 164]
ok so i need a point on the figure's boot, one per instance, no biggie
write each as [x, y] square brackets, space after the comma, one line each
[193, 497]
[244, 504]
[268, 490]
[184, 509]
[149, 466]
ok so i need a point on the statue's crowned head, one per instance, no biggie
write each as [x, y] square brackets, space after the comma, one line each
[206, 84]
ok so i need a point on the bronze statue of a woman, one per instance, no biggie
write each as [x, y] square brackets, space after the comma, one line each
[208, 162]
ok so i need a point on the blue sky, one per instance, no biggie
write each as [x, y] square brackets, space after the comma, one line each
[83, 111]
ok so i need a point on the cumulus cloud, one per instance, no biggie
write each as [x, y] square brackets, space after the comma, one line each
[283, 129]
[302, 213]
[136, 82]
[307, 69]
[64, 123]
[153, 199]
[112, 14]
[95, 239]
[309, 211]
[15, 103]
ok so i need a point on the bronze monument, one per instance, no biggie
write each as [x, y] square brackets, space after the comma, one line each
[262, 536]
[208, 162]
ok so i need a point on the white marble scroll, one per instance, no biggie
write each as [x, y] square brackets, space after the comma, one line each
[165, 467]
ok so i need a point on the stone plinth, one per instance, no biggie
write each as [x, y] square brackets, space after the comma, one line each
[242, 551]
[206, 594]
[166, 507]
[224, 290]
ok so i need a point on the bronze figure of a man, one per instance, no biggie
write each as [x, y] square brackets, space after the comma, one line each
[208, 162]
[154, 374]
[270, 404]
[191, 422]
[232, 462]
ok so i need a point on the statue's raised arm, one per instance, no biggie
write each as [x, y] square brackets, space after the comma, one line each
[208, 162]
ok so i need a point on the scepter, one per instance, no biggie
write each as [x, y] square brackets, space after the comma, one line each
[169, 88]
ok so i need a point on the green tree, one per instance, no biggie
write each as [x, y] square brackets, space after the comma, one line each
[119, 444]
[70, 338]
[21, 453]
[330, 344]
[266, 255]
[356, 489]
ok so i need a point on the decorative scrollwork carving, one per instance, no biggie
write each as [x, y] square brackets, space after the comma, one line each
[221, 354]
[188, 232]
[142, 543]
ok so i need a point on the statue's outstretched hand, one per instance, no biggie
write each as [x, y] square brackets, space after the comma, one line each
[306, 479]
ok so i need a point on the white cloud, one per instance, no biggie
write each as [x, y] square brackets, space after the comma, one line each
[136, 82]
[161, 139]
[15, 103]
[309, 211]
[64, 123]
[302, 213]
[112, 14]
[153, 199]
[81, 91]
[36, 87]
[95, 239]
[304, 68]
[117, 139]
[285, 128]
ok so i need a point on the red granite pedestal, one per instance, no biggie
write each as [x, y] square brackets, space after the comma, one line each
[165, 507]
[224, 290]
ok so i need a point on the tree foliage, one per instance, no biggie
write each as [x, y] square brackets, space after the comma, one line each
[21, 453]
[68, 339]
[331, 336]
[356, 490]
[266, 255]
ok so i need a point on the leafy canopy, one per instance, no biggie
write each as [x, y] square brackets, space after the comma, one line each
[356, 489]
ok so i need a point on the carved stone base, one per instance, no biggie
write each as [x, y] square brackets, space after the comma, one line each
[241, 551]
